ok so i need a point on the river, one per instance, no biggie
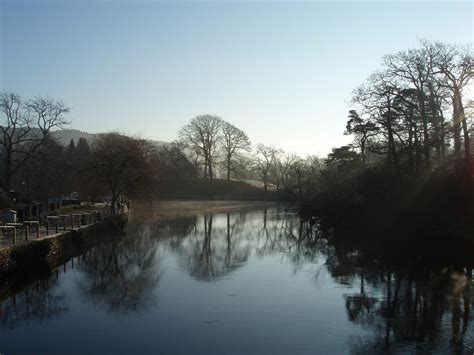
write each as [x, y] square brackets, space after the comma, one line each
[249, 280]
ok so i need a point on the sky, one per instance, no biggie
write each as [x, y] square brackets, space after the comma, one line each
[283, 72]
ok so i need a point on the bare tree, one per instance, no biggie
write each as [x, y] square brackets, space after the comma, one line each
[264, 162]
[25, 127]
[121, 162]
[284, 164]
[202, 136]
[233, 141]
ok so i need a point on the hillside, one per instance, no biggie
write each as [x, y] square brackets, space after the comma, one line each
[64, 136]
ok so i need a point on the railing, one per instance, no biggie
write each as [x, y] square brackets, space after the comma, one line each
[17, 233]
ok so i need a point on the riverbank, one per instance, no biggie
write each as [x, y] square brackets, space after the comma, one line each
[39, 256]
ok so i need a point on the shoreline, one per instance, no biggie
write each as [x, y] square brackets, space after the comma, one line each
[27, 260]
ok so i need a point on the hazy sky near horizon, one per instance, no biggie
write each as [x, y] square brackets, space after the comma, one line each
[283, 72]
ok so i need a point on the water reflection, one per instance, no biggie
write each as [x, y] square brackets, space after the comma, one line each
[121, 277]
[215, 247]
[396, 304]
[37, 302]
[428, 307]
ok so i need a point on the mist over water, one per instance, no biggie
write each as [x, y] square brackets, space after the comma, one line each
[252, 281]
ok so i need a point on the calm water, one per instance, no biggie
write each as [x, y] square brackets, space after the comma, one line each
[248, 282]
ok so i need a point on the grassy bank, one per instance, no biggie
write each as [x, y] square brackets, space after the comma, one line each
[216, 189]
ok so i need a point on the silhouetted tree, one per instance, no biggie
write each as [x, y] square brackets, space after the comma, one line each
[362, 130]
[203, 136]
[25, 127]
[121, 162]
[264, 162]
[233, 141]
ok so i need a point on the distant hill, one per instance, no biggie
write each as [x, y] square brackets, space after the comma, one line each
[64, 136]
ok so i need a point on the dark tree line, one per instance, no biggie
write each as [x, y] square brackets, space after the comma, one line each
[412, 111]
[410, 163]
[34, 166]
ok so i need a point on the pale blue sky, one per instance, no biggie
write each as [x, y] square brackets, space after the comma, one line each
[283, 72]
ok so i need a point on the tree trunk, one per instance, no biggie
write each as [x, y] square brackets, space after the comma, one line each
[7, 177]
[442, 134]
[210, 171]
[410, 149]
[205, 166]
[417, 150]
[362, 151]
[467, 143]
[392, 152]
[208, 160]
[228, 167]
[436, 121]
[426, 138]
[456, 124]
[113, 203]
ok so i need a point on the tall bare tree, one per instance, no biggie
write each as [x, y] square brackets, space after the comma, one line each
[233, 141]
[25, 127]
[203, 136]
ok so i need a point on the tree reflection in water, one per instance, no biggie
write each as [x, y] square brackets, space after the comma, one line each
[121, 277]
[36, 302]
[406, 305]
[217, 246]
